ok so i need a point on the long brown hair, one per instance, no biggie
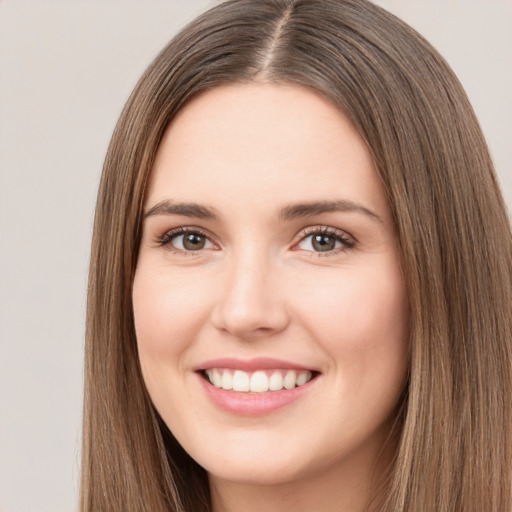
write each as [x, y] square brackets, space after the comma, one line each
[454, 451]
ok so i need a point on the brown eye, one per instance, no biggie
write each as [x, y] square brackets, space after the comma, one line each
[322, 243]
[187, 241]
[193, 241]
[326, 241]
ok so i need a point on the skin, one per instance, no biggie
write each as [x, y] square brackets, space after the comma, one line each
[260, 287]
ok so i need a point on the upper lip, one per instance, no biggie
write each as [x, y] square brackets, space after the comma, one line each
[251, 365]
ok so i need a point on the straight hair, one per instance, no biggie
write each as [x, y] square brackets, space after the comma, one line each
[454, 448]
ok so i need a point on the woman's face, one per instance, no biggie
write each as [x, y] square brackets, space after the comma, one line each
[269, 263]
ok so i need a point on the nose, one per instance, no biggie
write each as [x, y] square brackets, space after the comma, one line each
[251, 303]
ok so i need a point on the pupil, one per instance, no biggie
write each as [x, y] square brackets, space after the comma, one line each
[323, 243]
[193, 242]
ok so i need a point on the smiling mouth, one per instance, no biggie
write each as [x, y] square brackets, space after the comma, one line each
[260, 381]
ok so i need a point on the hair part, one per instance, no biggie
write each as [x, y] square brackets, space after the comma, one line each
[454, 449]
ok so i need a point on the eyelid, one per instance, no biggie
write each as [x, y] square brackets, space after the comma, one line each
[169, 235]
[348, 241]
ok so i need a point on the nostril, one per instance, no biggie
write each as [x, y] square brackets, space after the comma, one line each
[251, 324]
[250, 306]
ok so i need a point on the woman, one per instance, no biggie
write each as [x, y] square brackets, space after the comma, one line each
[301, 276]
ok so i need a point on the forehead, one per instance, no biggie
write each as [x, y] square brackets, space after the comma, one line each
[267, 141]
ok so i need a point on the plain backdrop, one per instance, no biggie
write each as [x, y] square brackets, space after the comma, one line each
[66, 69]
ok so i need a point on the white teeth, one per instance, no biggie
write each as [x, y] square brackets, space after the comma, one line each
[275, 383]
[303, 377]
[290, 379]
[216, 378]
[260, 381]
[240, 381]
[227, 380]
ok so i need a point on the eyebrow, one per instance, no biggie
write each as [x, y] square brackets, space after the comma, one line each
[290, 212]
[186, 209]
[295, 211]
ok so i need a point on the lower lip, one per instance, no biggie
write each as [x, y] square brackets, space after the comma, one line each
[253, 404]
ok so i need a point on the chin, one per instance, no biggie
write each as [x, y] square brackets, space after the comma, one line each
[253, 459]
[257, 474]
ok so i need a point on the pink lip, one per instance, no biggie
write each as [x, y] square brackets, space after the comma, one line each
[253, 404]
[251, 365]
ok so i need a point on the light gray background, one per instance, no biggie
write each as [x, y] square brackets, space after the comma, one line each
[66, 69]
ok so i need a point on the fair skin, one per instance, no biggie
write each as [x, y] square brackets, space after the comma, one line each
[314, 291]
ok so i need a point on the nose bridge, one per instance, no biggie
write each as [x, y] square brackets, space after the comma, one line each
[250, 303]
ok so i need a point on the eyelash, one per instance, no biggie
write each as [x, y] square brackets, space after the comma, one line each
[347, 242]
[166, 239]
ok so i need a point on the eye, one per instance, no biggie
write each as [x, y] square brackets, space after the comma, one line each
[325, 240]
[186, 240]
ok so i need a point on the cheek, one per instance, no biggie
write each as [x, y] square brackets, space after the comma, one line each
[360, 317]
[167, 311]
[168, 314]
